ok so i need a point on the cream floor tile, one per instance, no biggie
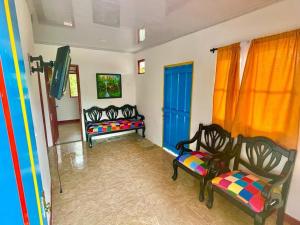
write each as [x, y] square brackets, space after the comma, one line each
[128, 182]
[69, 132]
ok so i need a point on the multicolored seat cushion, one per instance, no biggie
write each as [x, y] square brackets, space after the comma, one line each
[109, 126]
[196, 161]
[246, 187]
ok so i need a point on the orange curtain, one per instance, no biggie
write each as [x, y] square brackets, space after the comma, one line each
[226, 85]
[269, 99]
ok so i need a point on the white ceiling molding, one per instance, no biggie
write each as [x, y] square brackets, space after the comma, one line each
[113, 24]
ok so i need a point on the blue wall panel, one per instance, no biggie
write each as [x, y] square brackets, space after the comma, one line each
[10, 76]
[10, 208]
[26, 93]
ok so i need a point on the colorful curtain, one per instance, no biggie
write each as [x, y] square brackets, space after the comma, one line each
[226, 85]
[269, 98]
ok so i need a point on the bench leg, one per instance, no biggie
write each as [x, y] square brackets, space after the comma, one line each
[281, 210]
[175, 168]
[143, 134]
[203, 183]
[280, 216]
[86, 136]
[259, 220]
[90, 142]
[210, 199]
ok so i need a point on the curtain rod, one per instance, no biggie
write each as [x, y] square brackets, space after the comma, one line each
[212, 50]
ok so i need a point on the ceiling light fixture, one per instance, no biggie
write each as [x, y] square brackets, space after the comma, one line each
[68, 24]
[142, 34]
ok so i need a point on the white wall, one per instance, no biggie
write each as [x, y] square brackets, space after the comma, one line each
[280, 17]
[25, 28]
[67, 107]
[95, 61]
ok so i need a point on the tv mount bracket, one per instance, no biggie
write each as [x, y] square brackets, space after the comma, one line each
[40, 64]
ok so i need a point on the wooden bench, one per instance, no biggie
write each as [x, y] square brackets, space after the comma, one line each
[113, 119]
[211, 141]
[260, 180]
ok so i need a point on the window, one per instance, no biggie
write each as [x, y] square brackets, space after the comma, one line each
[142, 34]
[73, 85]
[141, 66]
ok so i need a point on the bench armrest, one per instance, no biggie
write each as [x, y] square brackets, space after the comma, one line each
[180, 145]
[269, 192]
[216, 166]
[138, 115]
[142, 117]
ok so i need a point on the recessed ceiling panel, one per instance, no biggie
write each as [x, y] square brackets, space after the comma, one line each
[173, 5]
[54, 12]
[106, 12]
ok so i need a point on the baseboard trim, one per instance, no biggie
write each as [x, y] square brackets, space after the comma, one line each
[291, 220]
[170, 152]
[68, 121]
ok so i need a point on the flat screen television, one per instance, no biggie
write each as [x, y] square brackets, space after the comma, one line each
[61, 72]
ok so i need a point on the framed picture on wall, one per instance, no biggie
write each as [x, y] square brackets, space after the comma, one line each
[108, 85]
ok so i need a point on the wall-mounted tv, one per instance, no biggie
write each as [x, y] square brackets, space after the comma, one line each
[61, 72]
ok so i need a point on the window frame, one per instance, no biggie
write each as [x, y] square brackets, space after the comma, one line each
[140, 40]
[139, 66]
[70, 72]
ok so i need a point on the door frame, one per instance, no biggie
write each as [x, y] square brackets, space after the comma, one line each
[54, 129]
[76, 71]
[163, 105]
[43, 104]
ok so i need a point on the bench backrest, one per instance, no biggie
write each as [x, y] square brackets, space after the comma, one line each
[213, 138]
[110, 113]
[263, 157]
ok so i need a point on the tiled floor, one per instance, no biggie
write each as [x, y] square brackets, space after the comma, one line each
[127, 181]
[69, 132]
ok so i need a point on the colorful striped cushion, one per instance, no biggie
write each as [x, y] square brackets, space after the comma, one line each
[196, 161]
[245, 187]
[109, 126]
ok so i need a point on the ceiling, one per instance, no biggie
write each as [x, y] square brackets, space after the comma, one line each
[113, 24]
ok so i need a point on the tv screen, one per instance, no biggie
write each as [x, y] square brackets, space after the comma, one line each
[61, 72]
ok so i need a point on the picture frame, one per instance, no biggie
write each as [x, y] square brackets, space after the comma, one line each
[108, 85]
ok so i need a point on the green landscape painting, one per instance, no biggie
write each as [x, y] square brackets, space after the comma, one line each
[108, 85]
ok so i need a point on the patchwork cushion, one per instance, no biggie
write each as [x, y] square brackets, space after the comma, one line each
[245, 187]
[196, 161]
[109, 126]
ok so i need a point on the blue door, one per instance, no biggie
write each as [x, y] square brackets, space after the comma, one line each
[177, 104]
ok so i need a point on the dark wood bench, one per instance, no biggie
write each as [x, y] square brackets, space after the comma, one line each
[260, 180]
[113, 119]
[211, 141]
